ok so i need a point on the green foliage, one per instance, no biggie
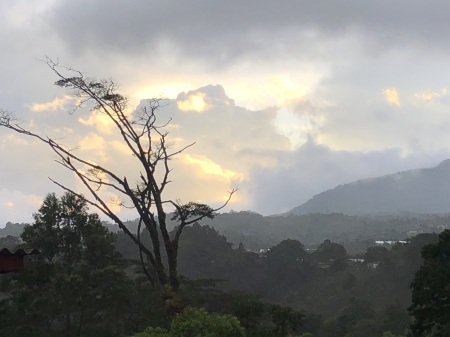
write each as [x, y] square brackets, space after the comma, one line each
[306, 334]
[330, 251]
[376, 254]
[288, 274]
[395, 319]
[389, 334]
[153, 332]
[203, 253]
[259, 319]
[192, 209]
[77, 281]
[249, 310]
[285, 319]
[431, 290]
[104, 89]
[193, 322]
[13, 229]
[291, 276]
[332, 255]
[356, 319]
[288, 261]
[10, 242]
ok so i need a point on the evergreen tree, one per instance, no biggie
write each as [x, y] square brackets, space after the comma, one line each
[431, 291]
[76, 286]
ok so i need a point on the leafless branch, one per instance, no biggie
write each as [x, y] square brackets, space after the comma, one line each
[148, 143]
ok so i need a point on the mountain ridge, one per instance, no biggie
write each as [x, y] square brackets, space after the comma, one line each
[416, 191]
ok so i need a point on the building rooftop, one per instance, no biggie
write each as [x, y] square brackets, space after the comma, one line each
[19, 252]
[12, 262]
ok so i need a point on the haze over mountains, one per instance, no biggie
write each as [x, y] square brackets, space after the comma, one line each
[420, 191]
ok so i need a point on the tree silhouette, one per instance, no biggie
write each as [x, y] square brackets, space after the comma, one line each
[147, 141]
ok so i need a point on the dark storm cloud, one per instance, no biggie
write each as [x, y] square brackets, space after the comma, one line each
[222, 30]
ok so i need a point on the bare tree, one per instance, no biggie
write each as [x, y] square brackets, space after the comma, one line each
[147, 141]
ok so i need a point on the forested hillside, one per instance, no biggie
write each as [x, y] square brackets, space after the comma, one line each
[323, 290]
[355, 233]
[261, 232]
[418, 191]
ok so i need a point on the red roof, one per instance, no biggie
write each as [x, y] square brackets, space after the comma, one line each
[18, 252]
[11, 262]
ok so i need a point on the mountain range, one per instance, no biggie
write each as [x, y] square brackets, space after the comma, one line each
[419, 191]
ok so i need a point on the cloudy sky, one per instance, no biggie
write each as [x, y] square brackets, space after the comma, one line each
[284, 99]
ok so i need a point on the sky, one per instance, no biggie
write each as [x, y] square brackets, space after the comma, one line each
[283, 99]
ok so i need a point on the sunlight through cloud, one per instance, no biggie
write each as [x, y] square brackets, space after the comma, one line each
[287, 90]
[208, 167]
[194, 102]
[101, 121]
[431, 96]
[391, 96]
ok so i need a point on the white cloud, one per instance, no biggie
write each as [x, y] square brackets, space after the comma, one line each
[287, 90]
[10, 139]
[101, 121]
[428, 96]
[296, 75]
[95, 145]
[58, 103]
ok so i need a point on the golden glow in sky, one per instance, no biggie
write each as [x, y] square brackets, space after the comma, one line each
[101, 121]
[208, 167]
[391, 96]
[272, 101]
[58, 103]
[195, 102]
[428, 96]
[287, 90]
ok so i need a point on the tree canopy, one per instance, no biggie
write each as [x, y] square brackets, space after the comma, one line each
[431, 290]
[76, 281]
[193, 322]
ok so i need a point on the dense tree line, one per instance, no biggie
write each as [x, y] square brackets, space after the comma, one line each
[85, 282]
[77, 279]
[356, 233]
[431, 291]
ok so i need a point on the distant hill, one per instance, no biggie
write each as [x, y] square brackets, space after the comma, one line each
[420, 191]
[261, 232]
[13, 229]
